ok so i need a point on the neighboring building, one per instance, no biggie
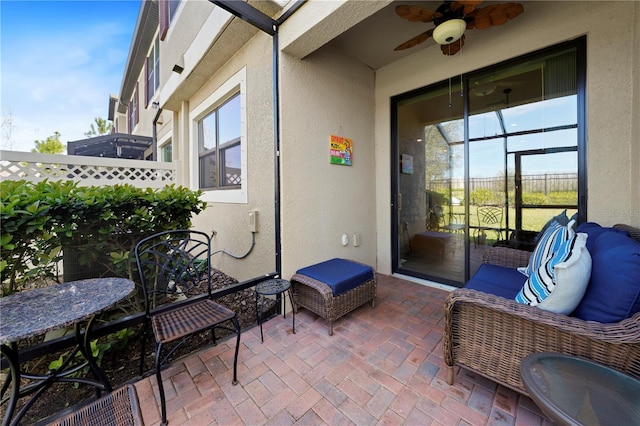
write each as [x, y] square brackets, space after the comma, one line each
[200, 82]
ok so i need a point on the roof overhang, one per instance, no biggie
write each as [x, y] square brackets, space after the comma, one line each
[143, 37]
[200, 62]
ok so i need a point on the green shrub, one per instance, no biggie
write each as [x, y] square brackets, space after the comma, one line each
[42, 220]
[534, 199]
[29, 249]
[486, 197]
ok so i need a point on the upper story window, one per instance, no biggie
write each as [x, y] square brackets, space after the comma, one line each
[168, 9]
[173, 6]
[152, 67]
[166, 152]
[133, 110]
[219, 145]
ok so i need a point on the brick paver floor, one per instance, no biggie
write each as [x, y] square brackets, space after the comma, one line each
[382, 366]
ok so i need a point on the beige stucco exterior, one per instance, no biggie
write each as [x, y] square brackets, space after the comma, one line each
[324, 91]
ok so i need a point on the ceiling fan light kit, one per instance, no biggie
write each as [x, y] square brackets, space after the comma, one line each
[452, 18]
[449, 31]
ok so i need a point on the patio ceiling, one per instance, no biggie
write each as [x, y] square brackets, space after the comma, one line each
[372, 41]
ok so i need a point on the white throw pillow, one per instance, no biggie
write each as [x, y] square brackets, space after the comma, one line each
[561, 281]
[571, 278]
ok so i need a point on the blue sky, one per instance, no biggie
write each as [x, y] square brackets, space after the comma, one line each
[59, 62]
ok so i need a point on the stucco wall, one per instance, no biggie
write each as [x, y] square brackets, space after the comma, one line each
[326, 94]
[635, 138]
[231, 220]
[612, 130]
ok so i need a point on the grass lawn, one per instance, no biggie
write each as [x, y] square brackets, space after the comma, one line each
[533, 219]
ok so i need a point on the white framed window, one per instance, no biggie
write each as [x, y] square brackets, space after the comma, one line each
[166, 151]
[219, 144]
[133, 116]
[152, 68]
[167, 10]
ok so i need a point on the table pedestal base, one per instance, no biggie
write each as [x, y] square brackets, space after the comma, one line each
[40, 383]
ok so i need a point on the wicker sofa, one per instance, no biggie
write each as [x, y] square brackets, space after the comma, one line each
[490, 335]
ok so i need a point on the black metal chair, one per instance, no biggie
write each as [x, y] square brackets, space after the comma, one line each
[489, 219]
[175, 271]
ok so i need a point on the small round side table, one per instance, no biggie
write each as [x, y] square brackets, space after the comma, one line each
[274, 287]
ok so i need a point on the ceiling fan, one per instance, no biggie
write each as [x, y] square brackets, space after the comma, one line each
[452, 18]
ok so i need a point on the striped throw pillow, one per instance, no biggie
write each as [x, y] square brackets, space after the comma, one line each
[543, 281]
[550, 241]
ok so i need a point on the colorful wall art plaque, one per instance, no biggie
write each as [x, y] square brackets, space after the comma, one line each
[340, 150]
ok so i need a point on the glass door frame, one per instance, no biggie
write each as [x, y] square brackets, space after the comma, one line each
[396, 199]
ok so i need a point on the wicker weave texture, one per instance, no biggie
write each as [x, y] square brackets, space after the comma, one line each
[317, 297]
[178, 323]
[491, 335]
[118, 408]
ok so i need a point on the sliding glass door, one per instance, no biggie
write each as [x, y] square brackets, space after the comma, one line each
[486, 159]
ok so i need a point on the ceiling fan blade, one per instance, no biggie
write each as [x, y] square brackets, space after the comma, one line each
[468, 6]
[420, 38]
[416, 13]
[494, 15]
[452, 48]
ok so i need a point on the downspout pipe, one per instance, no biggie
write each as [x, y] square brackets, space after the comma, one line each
[276, 152]
[154, 136]
[265, 23]
[276, 132]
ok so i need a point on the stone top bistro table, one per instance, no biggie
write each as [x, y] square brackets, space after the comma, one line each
[34, 312]
[576, 391]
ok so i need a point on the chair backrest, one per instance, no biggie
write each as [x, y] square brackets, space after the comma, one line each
[490, 216]
[436, 218]
[173, 265]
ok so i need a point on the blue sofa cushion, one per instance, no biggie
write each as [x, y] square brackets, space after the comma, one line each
[498, 280]
[614, 288]
[594, 230]
[340, 274]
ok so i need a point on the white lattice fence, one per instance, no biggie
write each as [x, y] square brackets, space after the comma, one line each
[88, 171]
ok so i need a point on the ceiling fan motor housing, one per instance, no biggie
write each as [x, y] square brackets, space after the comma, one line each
[449, 31]
[450, 24]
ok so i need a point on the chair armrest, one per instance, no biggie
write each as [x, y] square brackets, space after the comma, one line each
[491, 335]
[505, 256]
[323, 289]
[625, 331]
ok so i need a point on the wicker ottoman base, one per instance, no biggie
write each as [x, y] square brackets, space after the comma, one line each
[317, 297]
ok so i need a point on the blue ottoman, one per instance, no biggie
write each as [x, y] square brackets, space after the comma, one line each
[334, 288]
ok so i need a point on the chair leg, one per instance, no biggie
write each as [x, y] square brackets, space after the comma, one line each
[163, 402]
[450, 375]
[144, 343]
[236, 324]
